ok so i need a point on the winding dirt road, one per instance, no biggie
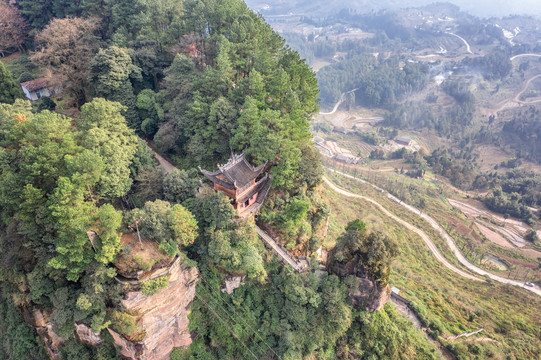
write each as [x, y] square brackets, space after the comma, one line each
[338, 103]
[524, 88]
[419, 232]
[434, 224]
[523, 55]
[468, 48]
[515, 101]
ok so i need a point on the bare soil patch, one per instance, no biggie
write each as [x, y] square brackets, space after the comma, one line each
[460, 227]
[494, 236]
[10, 58]
[534, 254]
[490, 156]
[134, 259]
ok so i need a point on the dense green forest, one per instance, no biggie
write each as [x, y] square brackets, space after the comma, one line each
[523, 132]
[198, 80]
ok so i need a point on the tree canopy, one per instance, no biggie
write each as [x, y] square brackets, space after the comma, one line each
[9, 89]
[14, 27]
[65, 47]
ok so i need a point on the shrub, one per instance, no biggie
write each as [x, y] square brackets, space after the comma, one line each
[170, 247]
[142, 263]
[150, 287]
[126, 250]
[25, 76]
[127, 325]
[531, 236]
[46, 103]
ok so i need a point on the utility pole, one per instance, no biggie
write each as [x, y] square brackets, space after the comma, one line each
[136, 224]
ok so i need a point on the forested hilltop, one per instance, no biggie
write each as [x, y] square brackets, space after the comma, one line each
[194, 81]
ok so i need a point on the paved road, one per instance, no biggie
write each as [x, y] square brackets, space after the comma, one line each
[523, 55]
[441, 231]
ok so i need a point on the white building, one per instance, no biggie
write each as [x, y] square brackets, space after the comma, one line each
[37, 88]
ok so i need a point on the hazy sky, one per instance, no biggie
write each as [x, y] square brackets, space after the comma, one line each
[486, 8]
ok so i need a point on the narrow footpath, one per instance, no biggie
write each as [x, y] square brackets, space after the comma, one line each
[298, 265]
[441, 231]
[338, 103]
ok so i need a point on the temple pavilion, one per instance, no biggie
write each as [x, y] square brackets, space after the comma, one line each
[245, 184]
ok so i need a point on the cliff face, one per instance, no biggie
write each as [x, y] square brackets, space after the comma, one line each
[164, 316]
[369, 295]
[366, 293]
[39, 319]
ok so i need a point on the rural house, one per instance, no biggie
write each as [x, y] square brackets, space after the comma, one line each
[37, 88]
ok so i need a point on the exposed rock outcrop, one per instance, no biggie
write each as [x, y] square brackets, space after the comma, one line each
[364, 261]
[231, 283]
[321, 254]
[369, 295]
[86, 335]
[164, 316]
[127, 348]
[40, 320]
[366, 293]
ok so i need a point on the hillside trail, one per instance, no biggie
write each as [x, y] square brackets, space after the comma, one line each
[406, 311]
[166, 165]
[435, 225]
[468, 48]
[338, 103]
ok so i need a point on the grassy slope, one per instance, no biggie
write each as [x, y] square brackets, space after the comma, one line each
[450, 304]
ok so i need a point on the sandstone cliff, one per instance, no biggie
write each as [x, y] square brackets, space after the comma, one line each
[163, 316]
[39, 319]
[231, 283]
[365, 291]
[369, 295]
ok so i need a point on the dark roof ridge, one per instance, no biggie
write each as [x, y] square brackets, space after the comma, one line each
[237, 172]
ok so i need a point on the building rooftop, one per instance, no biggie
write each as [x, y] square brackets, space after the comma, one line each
[35, 85]
[237, 173]
[340, 129]
[403, 139]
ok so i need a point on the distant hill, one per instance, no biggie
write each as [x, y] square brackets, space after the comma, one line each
[481, 8]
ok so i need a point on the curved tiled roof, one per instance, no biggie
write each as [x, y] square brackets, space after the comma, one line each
[235, 174]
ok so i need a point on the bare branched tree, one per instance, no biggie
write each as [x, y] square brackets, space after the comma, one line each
[66, 48]
[13, 27]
